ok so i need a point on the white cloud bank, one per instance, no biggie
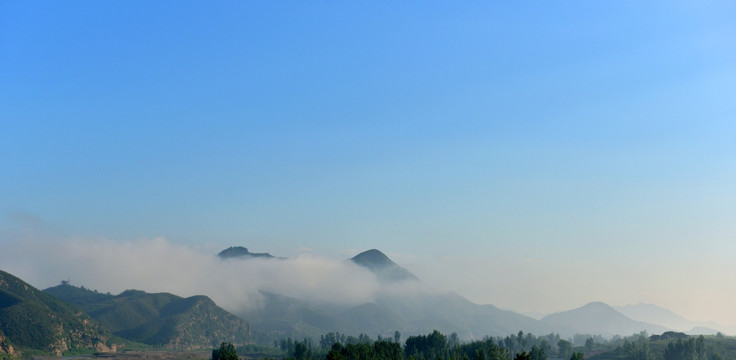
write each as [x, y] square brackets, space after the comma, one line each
[157, 265]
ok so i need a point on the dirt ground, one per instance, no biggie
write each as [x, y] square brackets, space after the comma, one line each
[137, 355]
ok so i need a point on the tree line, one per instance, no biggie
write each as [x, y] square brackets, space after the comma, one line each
[433, 346]
[519, 346]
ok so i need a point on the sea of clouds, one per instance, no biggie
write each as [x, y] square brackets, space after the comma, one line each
[159, 265]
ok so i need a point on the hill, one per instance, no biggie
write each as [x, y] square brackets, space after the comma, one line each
[385, 269]
[415, 309]
[597, 318]
[160, 319]
[32, 321]
[657, 315]
[241, 252]
[448, 312]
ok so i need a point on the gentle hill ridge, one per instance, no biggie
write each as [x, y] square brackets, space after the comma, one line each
[598, 318]
[657, 315]
[160, 318]
[33, 320]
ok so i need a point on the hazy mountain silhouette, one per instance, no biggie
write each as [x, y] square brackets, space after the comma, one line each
[657, 315]
[379, 264]
[242, 252]
[598, 318]
[412, 309]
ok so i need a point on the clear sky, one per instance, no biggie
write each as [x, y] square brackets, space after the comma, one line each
[535, 156]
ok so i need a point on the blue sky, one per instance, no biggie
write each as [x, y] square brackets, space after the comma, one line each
[591, 137]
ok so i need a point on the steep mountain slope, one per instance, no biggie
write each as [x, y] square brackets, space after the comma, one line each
[598, 318]
[385, 269]
[159, 319]
[36, 321]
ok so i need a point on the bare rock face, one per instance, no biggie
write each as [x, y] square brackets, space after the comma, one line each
[6, 348]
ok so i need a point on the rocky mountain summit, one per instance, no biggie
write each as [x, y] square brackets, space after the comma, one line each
[243, 253]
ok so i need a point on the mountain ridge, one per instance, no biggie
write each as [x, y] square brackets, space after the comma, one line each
[33, 320]
[384, 268]
[652, 313]
[598, 318]
[242, 252]
[164, 319]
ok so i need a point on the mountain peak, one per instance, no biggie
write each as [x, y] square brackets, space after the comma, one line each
[590, 317]
[372, 258]
[241, 252]
[598, 305]
[379, 264]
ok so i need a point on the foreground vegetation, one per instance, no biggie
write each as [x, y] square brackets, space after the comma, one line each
[520, 346]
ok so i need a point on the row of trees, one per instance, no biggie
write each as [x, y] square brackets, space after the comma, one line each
[520, 346]
[433, 346]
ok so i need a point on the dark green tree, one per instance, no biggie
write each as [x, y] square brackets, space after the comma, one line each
[577, 355]
[564, 349]
[301, 351]
[387, 350]
[589, 344]
[430, 346]
[226, 351]
[537, 353]
[638, 350]
[522, 355]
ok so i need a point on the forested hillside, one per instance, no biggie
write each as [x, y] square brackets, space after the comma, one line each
[159, 319]
[32, 321]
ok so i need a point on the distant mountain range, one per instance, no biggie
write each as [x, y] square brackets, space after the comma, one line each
[410, 312]
[448, 312]
[656, 315]
[598, 318]
[160, 319]
[68, 318]
[33, 320]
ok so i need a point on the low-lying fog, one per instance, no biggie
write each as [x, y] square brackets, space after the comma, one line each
[157, 265]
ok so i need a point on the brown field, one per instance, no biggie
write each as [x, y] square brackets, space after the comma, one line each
[137, 355]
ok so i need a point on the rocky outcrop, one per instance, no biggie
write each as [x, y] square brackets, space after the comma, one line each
[6, 350]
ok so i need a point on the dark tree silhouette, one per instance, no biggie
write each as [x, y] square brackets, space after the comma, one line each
[226, 351]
